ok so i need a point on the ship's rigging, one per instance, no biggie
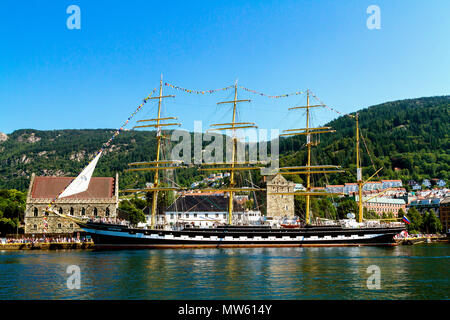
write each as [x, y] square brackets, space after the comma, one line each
[158, 165]
[309, 169]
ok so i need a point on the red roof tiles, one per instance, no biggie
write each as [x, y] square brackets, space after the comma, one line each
[50, 187]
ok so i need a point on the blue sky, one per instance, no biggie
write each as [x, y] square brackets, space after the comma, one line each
[55, 78]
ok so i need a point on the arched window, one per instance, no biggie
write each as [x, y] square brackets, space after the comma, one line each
[60, 210]
[71, 211]
[59, 225]
[95, 212]
[36, 212]
[107, 212]
[35, 226]
[83, 211]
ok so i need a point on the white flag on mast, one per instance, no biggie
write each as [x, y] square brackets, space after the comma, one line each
[81, 183]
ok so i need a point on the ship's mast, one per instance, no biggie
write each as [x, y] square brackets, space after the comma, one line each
[158, 147]
[156, 165]
[308, 144]
[359, 178]
[233, 159]
[359, 174]
[308, 131]
[231, 165]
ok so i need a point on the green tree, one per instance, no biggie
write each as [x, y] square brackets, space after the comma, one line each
[249, 204]
[370, 214]
[134, 215]
[346, 205]
[138, 202]
[387, 215]
[299, 206]
[12, 210]
[7, 225]
[431, 223]
[326, 209]
[165, 199]
[415, 219]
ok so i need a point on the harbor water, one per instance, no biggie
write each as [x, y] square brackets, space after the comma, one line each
[405, 272]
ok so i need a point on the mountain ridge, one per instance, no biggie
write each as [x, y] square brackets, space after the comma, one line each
[409, 138]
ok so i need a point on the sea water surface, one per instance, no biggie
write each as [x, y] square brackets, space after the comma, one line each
[406, 272]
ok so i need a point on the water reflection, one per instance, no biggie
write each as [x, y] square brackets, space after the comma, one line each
[407, 272]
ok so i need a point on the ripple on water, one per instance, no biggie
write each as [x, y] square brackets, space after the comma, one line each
[407, 272]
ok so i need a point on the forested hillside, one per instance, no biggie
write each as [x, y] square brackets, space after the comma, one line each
[408, 138]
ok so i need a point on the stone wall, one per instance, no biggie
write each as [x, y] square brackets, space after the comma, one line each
[279, 206]
[35, 224]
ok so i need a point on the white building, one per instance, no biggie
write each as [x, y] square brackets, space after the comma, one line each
[391, 183]
[350, 188]
[206, 211]
[441, 183]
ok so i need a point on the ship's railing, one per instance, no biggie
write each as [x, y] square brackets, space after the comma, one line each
[351, 223]
[115, 221]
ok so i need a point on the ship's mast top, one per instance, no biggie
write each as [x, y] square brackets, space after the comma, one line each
[306, 170]
[232, 165]
[156, 165]
[359, 175]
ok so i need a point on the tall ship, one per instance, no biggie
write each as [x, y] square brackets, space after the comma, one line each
[232, 233]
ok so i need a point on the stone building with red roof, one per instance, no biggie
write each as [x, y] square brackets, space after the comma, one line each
[101, 200]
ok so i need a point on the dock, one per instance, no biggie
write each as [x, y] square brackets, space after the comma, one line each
[421, 240]
[47, 246]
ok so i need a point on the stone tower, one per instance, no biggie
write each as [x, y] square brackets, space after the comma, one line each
[279, 206]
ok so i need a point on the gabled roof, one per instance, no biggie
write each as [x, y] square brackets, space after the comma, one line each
[382, 200]
[50, 187]
[274, 177]
[204, 203]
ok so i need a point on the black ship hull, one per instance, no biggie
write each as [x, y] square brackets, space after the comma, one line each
[109, 236]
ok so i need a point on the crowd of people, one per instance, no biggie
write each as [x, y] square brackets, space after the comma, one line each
[63, 239]
[405, 235]
[46, 240]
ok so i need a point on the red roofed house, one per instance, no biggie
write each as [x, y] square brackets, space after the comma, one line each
[101, 199]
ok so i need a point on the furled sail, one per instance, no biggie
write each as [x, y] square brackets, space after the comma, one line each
[81, 183]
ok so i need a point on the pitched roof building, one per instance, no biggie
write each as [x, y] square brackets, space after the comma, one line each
[101, 199]
[205, 210]
[204, 203]
[382, 205]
